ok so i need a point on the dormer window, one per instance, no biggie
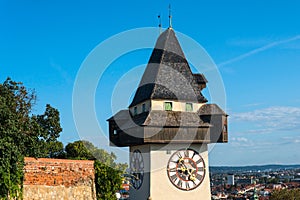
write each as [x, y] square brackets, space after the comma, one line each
[189, 107]
[135, 111]
[144, 107]
[168, 106]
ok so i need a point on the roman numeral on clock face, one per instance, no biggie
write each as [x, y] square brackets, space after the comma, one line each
[186, 153]
[200, 169]
[187, 186]
[173, 169]
[199, 161]
[179, 183]
[199, 177]
[174, 177]
[194, 153]
[179, 155]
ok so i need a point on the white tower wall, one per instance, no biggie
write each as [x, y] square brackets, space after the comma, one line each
[157, 184]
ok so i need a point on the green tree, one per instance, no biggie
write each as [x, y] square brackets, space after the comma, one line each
[108, 173]
[45, 129]
[23, 134]
[286, 195]
[80, 150]
[107, 181]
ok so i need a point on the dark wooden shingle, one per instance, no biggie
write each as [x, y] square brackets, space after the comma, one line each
[168, 74]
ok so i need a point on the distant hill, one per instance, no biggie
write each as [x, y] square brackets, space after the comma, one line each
[254, 168]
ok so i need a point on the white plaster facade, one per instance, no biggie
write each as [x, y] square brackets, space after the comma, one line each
[156, 184]
[159, 105]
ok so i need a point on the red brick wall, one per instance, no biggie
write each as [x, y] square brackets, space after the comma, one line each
[52, 172]
[46, 178]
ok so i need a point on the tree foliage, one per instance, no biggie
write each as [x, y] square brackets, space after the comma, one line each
[286, 195]
[107, 181]
[23, 134]
[79, 150]
[107, 172]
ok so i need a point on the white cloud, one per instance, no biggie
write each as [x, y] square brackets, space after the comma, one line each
[289, 139]
[241, 142]
[271, 119]
[252, 105]
[239, 139]
[249, 42]
[259, 130]
[263, 48]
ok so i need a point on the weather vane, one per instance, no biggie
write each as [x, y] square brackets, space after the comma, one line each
[170, 17]
[159, 23]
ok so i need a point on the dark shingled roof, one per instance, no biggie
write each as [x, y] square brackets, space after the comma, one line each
[200, 78]
[121, 115]
[173, 119]
[211, 109]
[158, 118]
[168, 74]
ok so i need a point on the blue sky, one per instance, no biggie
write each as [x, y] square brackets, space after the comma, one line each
[255, 44]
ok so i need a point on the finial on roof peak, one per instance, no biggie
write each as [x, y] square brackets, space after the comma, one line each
[170, 17]
[159, 23]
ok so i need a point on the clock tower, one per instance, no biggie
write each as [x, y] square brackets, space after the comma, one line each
[168, 126]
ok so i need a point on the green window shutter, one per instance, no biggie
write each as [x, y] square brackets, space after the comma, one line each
[189, 107]
[168, 105]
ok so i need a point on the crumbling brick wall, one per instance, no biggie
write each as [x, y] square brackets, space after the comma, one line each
[47, 179]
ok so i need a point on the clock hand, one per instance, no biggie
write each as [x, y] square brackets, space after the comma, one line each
[181, 160]
[183, 169]
[192, 170]
[192, 176]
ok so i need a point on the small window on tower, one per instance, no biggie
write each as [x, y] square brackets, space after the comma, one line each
[135, 111]
[189, 107]
[144, 107]
[168, 106]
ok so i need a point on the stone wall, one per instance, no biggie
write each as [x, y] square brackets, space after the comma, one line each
[61, 179]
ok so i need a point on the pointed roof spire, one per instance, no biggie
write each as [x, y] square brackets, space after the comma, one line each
[168, 75]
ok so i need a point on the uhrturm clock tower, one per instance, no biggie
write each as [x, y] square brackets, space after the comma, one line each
[168, 126]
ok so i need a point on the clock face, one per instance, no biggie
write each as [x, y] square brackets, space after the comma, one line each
[186, 169]
[136, 169]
